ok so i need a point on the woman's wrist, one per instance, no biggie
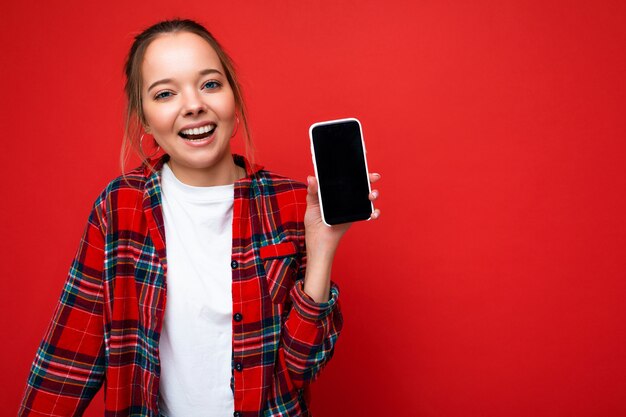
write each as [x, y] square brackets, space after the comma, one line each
[317, 276]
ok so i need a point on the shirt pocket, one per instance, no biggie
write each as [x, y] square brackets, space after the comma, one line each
[281, 267]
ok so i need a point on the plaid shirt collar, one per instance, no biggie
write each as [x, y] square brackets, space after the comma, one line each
[152, 204]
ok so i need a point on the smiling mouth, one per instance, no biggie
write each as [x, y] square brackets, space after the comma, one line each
[197, 133]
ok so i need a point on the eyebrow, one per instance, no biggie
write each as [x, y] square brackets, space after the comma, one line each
[169, 80]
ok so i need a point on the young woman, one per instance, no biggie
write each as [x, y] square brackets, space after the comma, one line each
[250, 319]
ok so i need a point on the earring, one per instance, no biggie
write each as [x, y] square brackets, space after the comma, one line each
[236, 127]
[141, 146]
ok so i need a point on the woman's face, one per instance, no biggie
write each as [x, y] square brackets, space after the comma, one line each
[189, 106]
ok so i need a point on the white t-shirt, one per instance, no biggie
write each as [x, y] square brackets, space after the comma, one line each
[196, 339]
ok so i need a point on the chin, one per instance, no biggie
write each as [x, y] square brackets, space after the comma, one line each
[203, 160]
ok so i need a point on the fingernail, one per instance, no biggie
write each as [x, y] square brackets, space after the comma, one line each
[376, 174]
[375, 193]
[308, 180]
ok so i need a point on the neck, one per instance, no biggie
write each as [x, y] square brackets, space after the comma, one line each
[224, 173]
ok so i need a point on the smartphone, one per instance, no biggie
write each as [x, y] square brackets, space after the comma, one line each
[338, 152]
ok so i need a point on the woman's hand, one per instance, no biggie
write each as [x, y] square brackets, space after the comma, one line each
[322, 242]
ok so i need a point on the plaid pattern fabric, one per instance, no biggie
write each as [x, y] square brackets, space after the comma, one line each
[106, 326]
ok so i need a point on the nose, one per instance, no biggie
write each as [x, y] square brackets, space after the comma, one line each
[193, 104]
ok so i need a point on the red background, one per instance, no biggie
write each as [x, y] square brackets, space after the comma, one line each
[494, 282]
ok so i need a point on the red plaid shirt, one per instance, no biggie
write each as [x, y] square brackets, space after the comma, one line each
[107, 323]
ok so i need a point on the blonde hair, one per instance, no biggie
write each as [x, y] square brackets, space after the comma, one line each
[135, 118]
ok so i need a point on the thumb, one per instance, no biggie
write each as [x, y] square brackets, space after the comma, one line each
[311, 196]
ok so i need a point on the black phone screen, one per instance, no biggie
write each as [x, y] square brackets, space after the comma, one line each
[341, 171]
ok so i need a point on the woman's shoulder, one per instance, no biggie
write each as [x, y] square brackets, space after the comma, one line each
[277, 184]
[278, 180]
[133, 181]
[265, 179]
[122, 198]
[126, 189]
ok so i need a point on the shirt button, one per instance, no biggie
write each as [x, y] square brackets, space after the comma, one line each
[238, 366]
[234, 264]
[238, 317]
[237, 414]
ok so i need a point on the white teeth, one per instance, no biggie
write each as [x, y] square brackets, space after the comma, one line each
[198, 130]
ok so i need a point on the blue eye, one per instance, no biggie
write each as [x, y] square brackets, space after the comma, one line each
[162, 95]
[212, 85]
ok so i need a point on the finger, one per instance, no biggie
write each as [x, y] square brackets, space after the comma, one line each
[373, 195]
[374, 176]
[376, 214]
